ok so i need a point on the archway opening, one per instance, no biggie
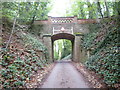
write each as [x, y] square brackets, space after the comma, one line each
[62, 49]
[62, 46]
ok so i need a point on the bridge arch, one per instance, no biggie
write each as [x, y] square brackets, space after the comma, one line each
[64, 28]
[67, 36]
[63, 36]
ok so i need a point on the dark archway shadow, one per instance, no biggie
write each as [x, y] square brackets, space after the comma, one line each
[62, 36]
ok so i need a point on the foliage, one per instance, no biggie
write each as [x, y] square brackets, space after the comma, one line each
[18, 65]
[15, 73]
[36, 29]
[26, 54]
[90, 10]
[35, 44]
[104, 58]
[61, 49]
[27, 11]
[67, 57]
[66, 51]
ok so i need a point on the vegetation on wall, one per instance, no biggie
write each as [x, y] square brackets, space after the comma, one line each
[102, 41]
[22, 58]
[103, 45]
[22, 53]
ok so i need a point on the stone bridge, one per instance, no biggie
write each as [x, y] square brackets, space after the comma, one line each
[69, 28]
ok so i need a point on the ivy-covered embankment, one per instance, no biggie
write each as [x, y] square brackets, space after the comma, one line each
[102, 43]
[24, 57]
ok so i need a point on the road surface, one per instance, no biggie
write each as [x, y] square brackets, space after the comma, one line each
[64, 75]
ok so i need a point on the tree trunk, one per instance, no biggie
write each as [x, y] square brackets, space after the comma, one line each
[118, 7]
[107, 10]
[33, 18]
[13, 28]
[1, 26]
[90, 11]
[114, 8]
[99, 8]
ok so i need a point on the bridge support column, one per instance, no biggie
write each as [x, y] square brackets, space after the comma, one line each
[77, 49]
[48, 43]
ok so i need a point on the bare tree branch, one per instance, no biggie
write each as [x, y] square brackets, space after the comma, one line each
[13, 28]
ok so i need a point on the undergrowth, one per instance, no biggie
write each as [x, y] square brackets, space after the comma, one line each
[21, 60]
[103, 43]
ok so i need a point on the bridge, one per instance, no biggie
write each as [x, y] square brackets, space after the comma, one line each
[69, 28]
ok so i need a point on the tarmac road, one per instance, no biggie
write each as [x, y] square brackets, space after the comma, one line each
[64, 75]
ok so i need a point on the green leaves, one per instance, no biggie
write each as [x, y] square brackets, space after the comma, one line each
[3, 72]
[26, 11]
[104, 58]
[34, 43]
[18, 83]
[19, 65]
[61, 49]
[98, 9]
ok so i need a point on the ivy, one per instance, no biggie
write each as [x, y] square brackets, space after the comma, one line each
[104, 58]
[18, 68]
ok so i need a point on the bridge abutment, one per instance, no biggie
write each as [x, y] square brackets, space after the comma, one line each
[48, 43]
[77, 49]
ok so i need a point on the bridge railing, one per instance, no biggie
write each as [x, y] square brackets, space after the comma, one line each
[56, 31]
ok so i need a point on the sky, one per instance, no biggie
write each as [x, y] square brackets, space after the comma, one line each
[59, 7]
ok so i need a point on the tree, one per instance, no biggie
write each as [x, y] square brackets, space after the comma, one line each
[99, 8]
[117, 5]
[28, 11]
[90, 10]
[61, 49]
[107, 10]
[66, 51]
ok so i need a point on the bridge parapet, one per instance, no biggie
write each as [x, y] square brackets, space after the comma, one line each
[65, 20]
[71, 25]
[61, 20]
[86, 21]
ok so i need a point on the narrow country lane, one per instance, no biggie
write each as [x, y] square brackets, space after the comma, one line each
[64, 75]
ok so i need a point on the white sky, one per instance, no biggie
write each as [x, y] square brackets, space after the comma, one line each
[59, 8]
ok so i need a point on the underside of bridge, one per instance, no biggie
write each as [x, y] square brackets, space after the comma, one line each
[62, 36]
[75, 40]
